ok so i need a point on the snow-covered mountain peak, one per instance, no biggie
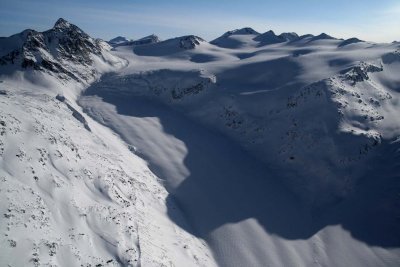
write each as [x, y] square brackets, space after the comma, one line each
[25, 33]
[122, 41]
[242, 31]
[152, 36]
[308, 35]
[269, 37]
[150, 39]
[62, 24]
[323, 36]
[167, 47]
[270, 32]
[289, 36]
[236, 38]
[118, 40]
[190, 41]
[60, 51]
[350, 41]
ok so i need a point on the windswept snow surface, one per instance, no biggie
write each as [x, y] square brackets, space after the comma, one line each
[279, 155]
[73, 197]
[251, 150]
[72, 193]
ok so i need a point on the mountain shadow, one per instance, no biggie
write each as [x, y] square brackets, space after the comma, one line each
[226, 185]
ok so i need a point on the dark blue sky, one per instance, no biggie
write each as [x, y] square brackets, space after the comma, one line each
[367, 19]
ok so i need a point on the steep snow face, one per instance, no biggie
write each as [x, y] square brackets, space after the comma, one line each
[64, 51]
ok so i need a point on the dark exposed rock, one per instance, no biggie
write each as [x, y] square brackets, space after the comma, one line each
[189, 42]
[180, 93]
[54, 50]
[76, 114]
[60, 98]
[360, 73]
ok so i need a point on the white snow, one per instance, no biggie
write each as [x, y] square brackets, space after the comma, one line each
[71, 197]
[271, 195]
[251, 150]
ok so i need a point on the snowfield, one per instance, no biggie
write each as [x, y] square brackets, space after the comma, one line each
[73, 197]
[249, 150]
[72, 192]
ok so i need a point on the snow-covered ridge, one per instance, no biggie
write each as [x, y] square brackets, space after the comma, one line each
[242, 31]
[169, 46]
[122, 41]
[322, 36]
[64, 51]
[119, 40]
[246, 37]
[72, 192]
[350, 41]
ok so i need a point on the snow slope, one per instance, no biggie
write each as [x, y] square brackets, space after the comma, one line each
[72, 192]
[279, 155]
[168, 47]
[276, 150]
[236, 38]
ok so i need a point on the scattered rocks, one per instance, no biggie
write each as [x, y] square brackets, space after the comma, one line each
[12, 243]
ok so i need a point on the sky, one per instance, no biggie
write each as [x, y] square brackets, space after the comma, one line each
[371, 20]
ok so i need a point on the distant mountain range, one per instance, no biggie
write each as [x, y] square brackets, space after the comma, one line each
[227, 40]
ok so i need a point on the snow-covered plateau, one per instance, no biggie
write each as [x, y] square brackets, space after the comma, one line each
[254, 149]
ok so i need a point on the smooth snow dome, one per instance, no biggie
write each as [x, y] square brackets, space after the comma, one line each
[258, 148]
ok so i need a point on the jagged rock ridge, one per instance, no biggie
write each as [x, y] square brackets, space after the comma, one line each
[60, 51]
